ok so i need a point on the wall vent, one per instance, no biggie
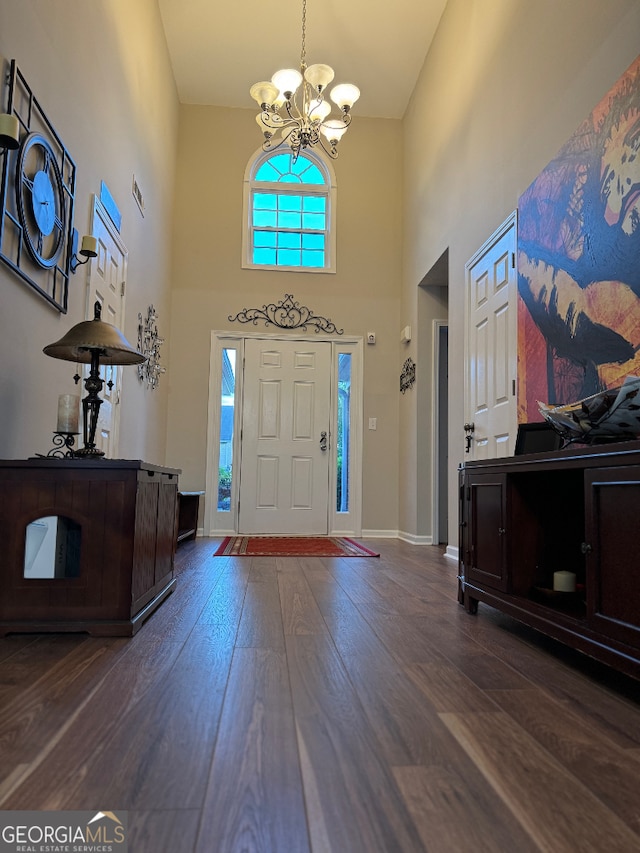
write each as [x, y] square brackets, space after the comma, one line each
[137, 194]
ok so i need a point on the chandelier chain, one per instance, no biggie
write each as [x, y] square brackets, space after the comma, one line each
[303, 52]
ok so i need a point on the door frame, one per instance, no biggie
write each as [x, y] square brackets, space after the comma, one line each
[218, 523]
[439, 413]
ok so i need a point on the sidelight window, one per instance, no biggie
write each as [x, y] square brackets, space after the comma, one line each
[227, 408]
[343, 431]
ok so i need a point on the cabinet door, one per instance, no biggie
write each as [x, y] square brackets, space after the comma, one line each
[612, 498]
[166, 528]
[144, 551]
[485, 560]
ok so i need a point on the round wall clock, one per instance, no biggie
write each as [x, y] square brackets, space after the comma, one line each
[40, 200]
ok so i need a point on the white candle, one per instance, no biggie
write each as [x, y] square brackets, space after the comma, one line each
[68, 411]
[9, 130]
[89, 247]
[564, 581]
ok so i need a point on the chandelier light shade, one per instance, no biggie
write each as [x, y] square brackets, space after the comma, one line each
[294, 109]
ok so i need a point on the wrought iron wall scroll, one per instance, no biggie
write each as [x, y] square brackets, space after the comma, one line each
[287, 314]
[408, 375]
[149, 343]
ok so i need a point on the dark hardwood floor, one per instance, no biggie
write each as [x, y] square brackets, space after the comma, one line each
[326, 705]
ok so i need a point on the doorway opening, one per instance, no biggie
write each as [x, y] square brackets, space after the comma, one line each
[433, 420]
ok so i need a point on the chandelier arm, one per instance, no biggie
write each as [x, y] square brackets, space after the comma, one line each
[331, 152]
[315, 103]
[277, 122]
[271, 144]
[293, 103]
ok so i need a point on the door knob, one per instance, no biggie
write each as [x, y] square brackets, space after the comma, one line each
[468, 428]
[323, 440]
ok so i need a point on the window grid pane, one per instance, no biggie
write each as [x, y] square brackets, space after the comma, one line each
[264, 238]
[313, 222]
[290, 202]
[312, 259]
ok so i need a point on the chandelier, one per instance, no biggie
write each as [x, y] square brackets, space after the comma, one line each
[294, 109]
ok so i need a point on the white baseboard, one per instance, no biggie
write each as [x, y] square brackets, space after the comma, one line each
[413, 539]
[380, 534]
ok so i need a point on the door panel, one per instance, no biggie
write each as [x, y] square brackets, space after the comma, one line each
[486, 561]
[284, 474]
[492, 353]
[613, 582]
[106, 285]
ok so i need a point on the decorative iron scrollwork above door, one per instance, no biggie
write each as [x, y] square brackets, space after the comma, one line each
[287, 314]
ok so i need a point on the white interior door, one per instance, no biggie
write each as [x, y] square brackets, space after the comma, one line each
[491, 364]
[106, 285]
[284, 474]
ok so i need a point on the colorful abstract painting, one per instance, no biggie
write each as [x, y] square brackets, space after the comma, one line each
[579, 260]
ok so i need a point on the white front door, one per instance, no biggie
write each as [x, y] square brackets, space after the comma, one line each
[284, 474]
[106, 285]
[491, 403]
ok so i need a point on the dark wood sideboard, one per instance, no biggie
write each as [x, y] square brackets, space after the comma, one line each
[523, 518]
[113, 562]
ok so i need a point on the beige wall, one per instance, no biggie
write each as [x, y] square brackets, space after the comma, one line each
[504, 85]
[209, 284]
[101, 72]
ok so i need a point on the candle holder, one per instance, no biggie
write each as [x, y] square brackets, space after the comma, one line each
[62, 446]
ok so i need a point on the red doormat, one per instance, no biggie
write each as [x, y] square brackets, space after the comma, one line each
[291, 546]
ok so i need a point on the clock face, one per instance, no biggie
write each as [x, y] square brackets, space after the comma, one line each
[40, 200]
[44, 202]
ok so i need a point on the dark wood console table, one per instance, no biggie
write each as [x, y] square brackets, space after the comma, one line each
[112, 550]
[523, 518]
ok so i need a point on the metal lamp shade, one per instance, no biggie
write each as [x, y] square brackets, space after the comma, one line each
[95, 334]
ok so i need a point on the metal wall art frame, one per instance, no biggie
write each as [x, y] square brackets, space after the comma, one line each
[149, 343]
[408, 375]
[36, 198]
[287, 314]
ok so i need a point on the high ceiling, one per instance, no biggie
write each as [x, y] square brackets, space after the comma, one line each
[219, 49]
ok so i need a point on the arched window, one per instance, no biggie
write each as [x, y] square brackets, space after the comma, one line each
[289, 213]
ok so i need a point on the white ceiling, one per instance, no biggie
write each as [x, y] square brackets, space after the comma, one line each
[219, 49]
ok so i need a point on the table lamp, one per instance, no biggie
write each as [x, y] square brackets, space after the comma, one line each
[93, 342]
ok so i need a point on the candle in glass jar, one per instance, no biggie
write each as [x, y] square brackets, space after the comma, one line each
[68, 411]
[564, 581]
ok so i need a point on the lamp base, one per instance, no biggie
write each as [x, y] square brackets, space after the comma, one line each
[88, 452]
